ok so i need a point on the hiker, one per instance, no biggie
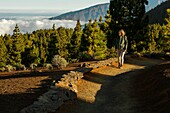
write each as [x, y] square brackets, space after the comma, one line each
[121, 47]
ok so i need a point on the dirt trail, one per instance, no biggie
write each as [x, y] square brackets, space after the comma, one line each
[133, 89]
[139, 87]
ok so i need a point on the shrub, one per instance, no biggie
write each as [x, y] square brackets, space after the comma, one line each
[59, 62]
[20, 67]
[9, 68]
[84, 56]
[49, 66]
[73, 60]
[111, 53]
[2, 69]
[33, 65]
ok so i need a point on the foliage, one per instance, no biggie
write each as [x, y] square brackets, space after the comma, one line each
[129, 15]
[3, 52]
[106, 28]
[9, 68]
[94, 41]
[33, 66]
[59, 62]
[155, 40]
[75, 41]
[20, 67]
[2, 69]
[48, 66]
[63, 41]
[16, 47]
[84, 56]
[111, 53]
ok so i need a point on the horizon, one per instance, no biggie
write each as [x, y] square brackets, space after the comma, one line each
[57, 8]
[52, 5]
[33, 17]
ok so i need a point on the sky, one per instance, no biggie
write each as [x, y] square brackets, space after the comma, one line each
[69, 5]
[54, 5]
[9, 9]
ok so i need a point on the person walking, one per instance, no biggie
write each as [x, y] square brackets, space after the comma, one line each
[121, 47]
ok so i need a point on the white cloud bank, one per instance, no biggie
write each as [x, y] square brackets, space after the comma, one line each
[32, 23]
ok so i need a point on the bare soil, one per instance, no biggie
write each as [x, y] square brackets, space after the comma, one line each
[21, 89]
[142, 86]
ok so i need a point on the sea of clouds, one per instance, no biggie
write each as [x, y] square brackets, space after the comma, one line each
[30, 24]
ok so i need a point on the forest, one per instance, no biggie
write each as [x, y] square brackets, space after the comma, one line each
[93, 41]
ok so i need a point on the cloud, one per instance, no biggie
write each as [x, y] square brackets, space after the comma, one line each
[31, 24]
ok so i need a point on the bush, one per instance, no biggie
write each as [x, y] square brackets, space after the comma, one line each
[49, 66]
[73, 60]
[111, 53]
[33, 65]
[59, 62]
[9, 68]
[2, 69]
[20, 67]
[84, 56]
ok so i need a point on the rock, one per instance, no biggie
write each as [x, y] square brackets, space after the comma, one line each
[63, 90]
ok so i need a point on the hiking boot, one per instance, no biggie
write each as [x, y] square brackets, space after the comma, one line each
[120, 66]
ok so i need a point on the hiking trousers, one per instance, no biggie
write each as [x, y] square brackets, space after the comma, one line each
[121, 54]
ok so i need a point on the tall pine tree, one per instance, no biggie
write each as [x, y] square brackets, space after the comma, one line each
[128, 15]
[94, 41]
[76, 41]
[3, 52]
[62, 42]
[16, 48]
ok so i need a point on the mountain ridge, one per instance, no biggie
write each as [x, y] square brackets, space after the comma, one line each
[158, 14]
[93, 12]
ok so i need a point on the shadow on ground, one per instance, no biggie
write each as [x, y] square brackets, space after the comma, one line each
[13, 101]
[138, 91]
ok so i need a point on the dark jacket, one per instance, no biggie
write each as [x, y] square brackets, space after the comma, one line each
[121, 43]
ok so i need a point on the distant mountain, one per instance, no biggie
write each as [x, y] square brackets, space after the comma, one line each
[93, 12]
[158, 14]
[153, 3]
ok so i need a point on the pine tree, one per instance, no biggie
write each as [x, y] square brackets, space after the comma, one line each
[62, 42]
[76, 41]
[129, 15]
[52, 46]
[94, 41]
[16, 47]
[165, 42]
[3, 52]
[54, 27]
[106, 28]
[99, 41]
[86, 39]
[43, 46]
[32, 50]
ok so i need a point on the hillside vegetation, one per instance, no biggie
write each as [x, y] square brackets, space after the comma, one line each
[95, 41]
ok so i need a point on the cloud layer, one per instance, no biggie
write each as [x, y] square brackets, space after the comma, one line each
[29, 24]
